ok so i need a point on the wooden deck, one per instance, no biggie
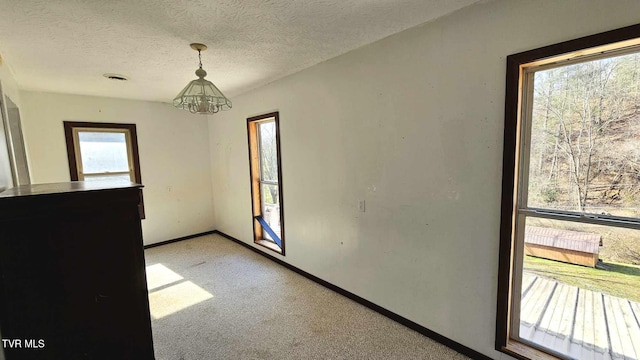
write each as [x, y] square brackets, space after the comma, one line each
[580, 323]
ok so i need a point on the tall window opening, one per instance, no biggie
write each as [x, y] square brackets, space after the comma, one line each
[266, 181]
[570, 235]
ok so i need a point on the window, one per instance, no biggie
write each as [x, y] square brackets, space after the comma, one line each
[103, 152]
[569, 273]
[266, 181]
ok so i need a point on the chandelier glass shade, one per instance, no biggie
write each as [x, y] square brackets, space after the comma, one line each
[201, 96]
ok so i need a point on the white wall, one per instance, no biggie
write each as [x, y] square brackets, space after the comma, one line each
[10, 89]
[413, 124]
[173, 147]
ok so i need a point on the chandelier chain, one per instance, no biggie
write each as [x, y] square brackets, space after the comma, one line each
[200, 58]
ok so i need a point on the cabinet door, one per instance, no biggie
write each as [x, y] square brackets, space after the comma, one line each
[31, 293]
[104, 283]
[74, 278]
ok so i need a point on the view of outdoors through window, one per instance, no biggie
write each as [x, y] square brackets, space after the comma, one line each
[581, 282]
[269, 176]
[104, 155]
[585, 153]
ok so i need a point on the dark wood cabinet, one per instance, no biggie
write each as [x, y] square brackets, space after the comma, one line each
[72, 273]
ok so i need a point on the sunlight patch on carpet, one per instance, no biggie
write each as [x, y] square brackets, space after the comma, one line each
[159, 275]
[169, 293]
[175, 298]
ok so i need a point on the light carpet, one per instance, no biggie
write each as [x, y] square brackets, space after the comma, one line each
[211, 298]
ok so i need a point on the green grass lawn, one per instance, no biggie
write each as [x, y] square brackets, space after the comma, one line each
[621, 280]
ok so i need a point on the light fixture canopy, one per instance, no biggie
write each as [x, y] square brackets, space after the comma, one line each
[200, 96]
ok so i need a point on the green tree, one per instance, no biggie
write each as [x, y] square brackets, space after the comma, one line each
[584, 124]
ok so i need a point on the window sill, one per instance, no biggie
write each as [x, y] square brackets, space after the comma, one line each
[269, 245]
[525, 352]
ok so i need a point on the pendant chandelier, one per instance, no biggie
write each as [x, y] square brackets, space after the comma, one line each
[200, 96]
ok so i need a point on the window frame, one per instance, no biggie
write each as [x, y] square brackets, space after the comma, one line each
[514, 156]
[256, 180]
[81, 174]
[16, 147]
[71, 129]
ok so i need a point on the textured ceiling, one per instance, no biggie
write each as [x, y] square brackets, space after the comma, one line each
[66, 45]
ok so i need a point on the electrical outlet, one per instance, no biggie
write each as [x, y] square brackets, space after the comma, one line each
[361, 205]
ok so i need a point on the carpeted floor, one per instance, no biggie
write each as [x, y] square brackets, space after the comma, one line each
[213, 299]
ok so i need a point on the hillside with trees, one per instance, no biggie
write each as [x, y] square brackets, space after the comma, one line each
[585, 143]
